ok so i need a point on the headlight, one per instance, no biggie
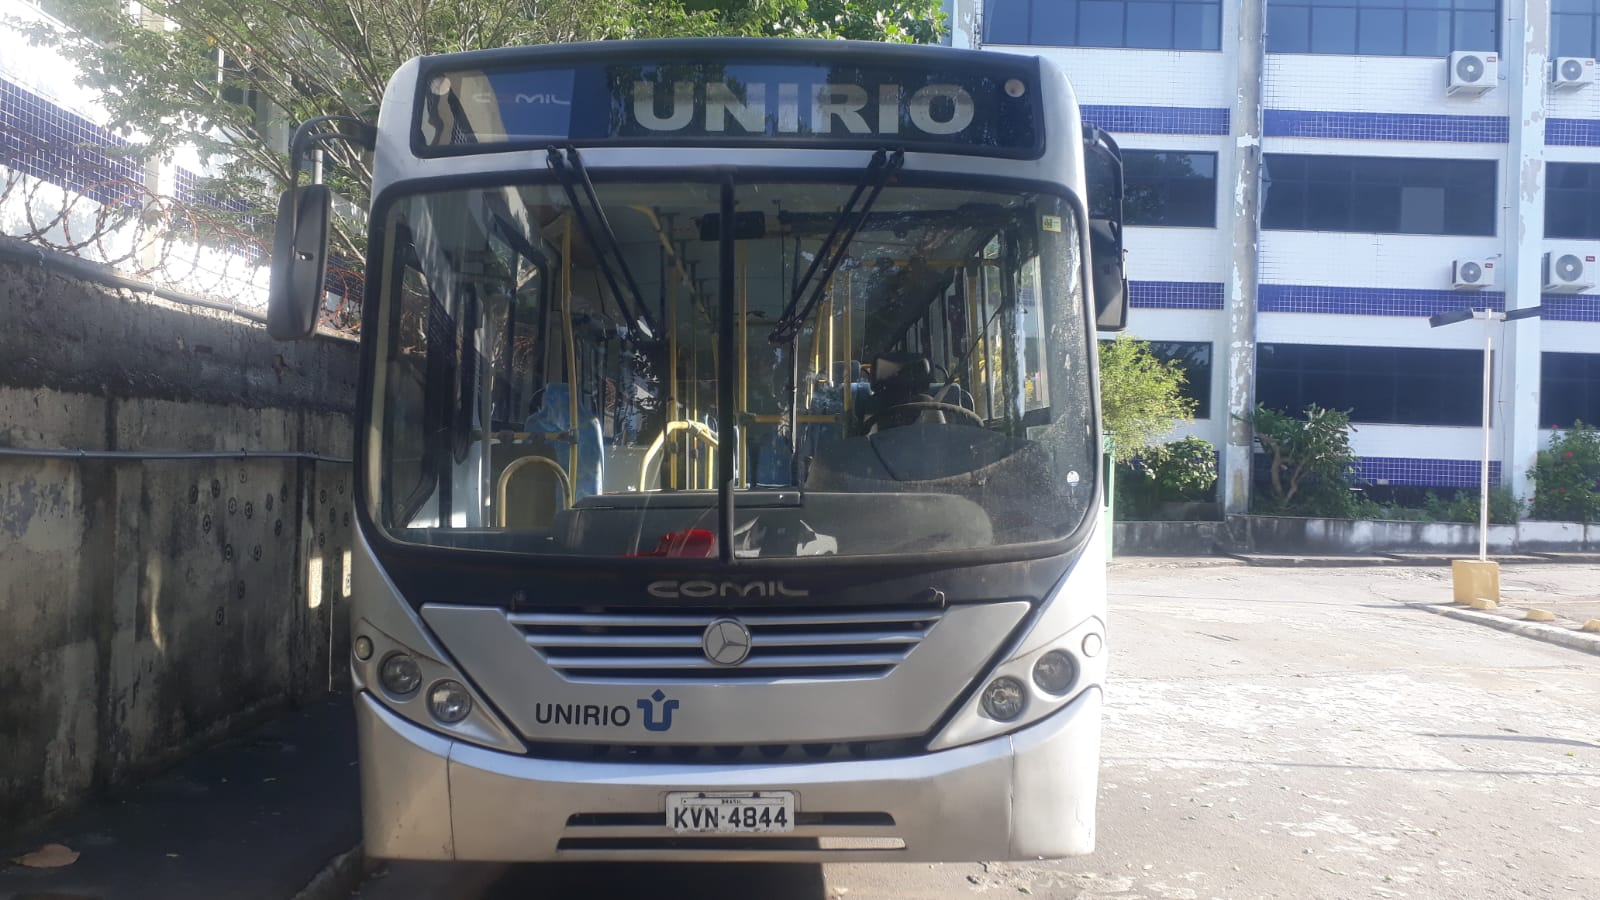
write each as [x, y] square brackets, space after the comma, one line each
[400, 675]
[363, 648]
[1054, 672]
[1028, 687]
[1004, 699]
[449, 702]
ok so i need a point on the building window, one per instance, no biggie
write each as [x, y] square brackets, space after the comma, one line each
[1161, 188]
[1195, 360]
[1572, 192]
[1380, 385]
[1569, 389]
[1383, 27]
[1138, 24]
[1379, 194]
[1574, 28]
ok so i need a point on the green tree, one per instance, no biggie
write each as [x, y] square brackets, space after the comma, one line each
[1141, 395]
[1310, 463]
[291, 60]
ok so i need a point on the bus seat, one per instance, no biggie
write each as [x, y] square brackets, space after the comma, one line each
[554, 417]
[535, 493]
[953, 393]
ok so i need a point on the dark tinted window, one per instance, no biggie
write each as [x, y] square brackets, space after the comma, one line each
[1572, 192]
[1574, 28]
[1382, 385]
[1379, 194]
[1386, 27]
[1161, 188]
[1569, 389]
[1149, 24]
[1196, 361]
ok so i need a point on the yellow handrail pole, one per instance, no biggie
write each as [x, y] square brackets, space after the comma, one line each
[690, 429]
[828, 372]
[744, 362]
[518, 464]
[572, 356]
[849, 353]
[672, 369]
[690, 473]
[972, 330]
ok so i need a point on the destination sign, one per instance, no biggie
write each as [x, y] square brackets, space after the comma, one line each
[988, 111]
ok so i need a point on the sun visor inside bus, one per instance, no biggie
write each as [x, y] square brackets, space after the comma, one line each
[700, 94]
[747, 226]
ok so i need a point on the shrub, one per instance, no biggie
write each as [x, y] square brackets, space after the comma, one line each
[1182, 470]
[1566, 477]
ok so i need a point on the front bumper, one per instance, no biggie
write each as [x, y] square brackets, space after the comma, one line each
[1027, 795]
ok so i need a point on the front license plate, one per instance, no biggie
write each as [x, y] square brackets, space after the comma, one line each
[730, 812]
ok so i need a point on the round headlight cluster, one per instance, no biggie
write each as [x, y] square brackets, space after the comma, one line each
[1004, 698]
[449, 702]
[1054, 672]
[400, 675]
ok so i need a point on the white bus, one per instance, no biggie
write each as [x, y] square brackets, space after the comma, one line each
[729, 467]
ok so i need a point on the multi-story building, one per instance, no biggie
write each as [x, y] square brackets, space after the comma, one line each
[1310, 180]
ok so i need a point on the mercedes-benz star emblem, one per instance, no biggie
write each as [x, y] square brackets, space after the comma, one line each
[726, 642]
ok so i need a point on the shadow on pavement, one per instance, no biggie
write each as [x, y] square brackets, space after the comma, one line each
[659, 881]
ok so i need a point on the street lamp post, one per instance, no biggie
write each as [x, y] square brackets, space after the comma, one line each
[1488, 317]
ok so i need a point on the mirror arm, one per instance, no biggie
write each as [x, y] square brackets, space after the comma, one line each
[306, 134]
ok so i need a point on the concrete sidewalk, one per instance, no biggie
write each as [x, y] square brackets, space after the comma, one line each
[256, 818]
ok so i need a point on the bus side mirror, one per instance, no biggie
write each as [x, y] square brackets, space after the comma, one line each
[1110, 279]
[1102, 169]
[299, 262]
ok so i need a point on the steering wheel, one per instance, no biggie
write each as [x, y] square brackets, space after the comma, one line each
[971, 417]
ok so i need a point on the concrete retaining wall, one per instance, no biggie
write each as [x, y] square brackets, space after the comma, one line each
[153, 604]
[1315, 537]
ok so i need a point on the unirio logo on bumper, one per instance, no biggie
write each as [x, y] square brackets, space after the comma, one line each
[655, 713]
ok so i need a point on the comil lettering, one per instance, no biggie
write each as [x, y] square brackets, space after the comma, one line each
[678, 590]
[936, 109]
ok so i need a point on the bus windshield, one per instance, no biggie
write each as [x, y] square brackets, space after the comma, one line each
[550, 378]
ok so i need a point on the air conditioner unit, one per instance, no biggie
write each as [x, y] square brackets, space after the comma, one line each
[1571, 72]
[1473, 72]
[1568, 270]
[1473, 273]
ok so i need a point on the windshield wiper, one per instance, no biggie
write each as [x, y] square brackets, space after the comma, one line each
[570, 171]
[883, 165]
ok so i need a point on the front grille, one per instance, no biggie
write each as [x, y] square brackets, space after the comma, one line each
[728, 754]
[655, 647]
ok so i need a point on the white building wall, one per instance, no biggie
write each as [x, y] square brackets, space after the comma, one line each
[1350, 89]
[1391, 84]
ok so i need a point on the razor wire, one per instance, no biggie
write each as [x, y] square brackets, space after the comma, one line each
[188, 245]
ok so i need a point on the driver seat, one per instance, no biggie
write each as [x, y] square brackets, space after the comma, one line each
[899, 378]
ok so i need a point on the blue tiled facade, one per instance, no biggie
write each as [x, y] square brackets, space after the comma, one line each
[1570, 308]
[1175, 295]
[1452, 473]
[41, 139]
[1572, 132]
[1158, 119]
[1374, 126]
[1352, 301]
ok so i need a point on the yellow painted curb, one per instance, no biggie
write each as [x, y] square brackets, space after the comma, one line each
[1591, 625]
[1540, 615]
[1482, 603]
